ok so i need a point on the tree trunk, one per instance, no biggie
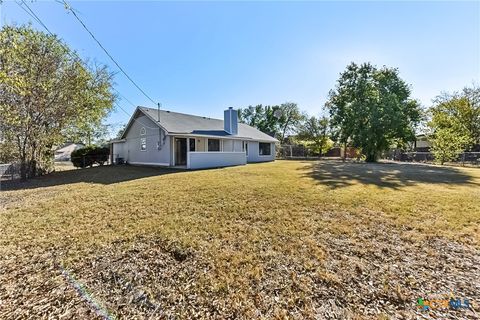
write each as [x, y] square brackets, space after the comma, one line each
[32, 165]
[33, 168]
[372, 157]
[23, 168]
[23, 158]
[324, 142]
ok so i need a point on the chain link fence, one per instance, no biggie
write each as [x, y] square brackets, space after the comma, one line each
[464, 158]
[301, 152]
[294, 152]
[9, 171]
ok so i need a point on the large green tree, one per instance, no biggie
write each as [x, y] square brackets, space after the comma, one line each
[371, 109]
[45, 93]
[314, 131]
[455, 123]
[290, 119]
[277, 120]
[264, 118]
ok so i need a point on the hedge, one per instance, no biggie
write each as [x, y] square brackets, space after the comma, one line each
[88, 156]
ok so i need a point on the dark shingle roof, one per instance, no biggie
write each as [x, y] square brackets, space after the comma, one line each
[182, 123]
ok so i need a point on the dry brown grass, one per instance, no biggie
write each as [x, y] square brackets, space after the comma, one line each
[283, 239]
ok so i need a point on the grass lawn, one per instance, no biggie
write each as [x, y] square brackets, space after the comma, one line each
[287, 239]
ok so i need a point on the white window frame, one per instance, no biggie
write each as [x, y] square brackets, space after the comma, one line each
[219, 145]
[143, 144]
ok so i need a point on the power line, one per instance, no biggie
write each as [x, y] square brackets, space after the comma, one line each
[69, 7]
[124, 98]
[70, 52]
[73, 54]
[32, 14]
[76, 56]
[134, 118]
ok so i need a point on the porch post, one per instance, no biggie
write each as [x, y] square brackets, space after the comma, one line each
[173, 151]
[188, 153]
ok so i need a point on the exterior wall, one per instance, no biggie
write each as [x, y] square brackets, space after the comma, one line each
[118, 151]
[151, 156]
[423, 143]
[200, 144]
[201, 160]
[253, 153]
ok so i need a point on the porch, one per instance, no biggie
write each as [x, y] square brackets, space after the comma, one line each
[194, 152]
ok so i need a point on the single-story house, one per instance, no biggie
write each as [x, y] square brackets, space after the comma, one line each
[167, 138]
[64, 152]
[421, 143]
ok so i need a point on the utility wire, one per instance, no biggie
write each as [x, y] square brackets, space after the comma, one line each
[75, 55]
[128, 114]
[124, 98]
[34, 16]
[69, 7]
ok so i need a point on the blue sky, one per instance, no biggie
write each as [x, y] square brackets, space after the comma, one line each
[201, 57]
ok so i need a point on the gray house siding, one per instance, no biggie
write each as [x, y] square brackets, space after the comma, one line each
[150, 156]
[253, 153]
[150, 140]
[200, 160]
[118, 151]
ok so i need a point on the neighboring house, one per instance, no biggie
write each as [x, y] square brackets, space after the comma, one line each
[64, 152]
[421, 144]
[166, 138]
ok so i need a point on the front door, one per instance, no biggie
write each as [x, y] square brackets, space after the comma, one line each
[180, 151]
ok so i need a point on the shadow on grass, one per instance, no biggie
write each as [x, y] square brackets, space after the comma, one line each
[337, 174]
[101, 175]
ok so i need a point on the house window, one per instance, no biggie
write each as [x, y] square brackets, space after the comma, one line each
[192, 145]
[213, 145]
[143, 131]
[143, 144]
[264, 149]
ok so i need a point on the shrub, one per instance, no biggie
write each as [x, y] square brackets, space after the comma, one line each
[88, 156]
